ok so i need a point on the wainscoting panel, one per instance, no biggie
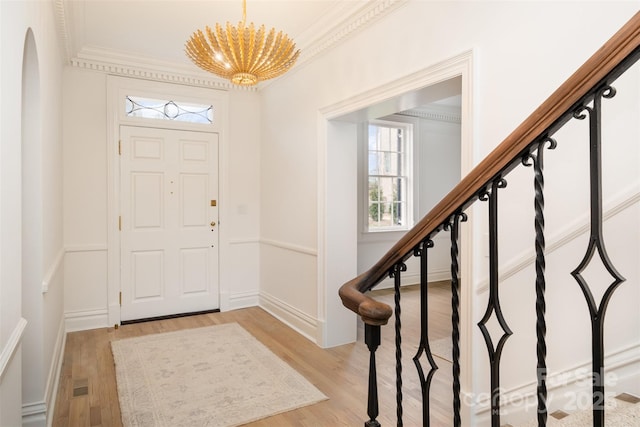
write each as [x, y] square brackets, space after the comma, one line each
[85, 277]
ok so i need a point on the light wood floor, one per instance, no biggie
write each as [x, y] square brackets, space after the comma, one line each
[87, 394]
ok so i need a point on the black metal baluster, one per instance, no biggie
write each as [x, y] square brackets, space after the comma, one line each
[493, 305]
[596, 243]
[395, 273]
[372, 339]
[541, 324]
[425, 381]
[454, 226]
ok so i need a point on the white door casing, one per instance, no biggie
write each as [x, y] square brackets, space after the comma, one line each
[169, 232]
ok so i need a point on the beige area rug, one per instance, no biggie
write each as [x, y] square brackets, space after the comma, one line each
[213, 376]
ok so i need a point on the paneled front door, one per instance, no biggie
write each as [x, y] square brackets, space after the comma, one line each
[169, 215]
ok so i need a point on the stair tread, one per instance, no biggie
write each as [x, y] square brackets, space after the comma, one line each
[618, 413]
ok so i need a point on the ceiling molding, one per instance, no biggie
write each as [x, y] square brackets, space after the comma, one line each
[61, 27]
[434, 113]
[152, 73]
[124, 64]
[358, 20]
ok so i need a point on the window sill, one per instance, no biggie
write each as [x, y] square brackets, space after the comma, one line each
[382, 235]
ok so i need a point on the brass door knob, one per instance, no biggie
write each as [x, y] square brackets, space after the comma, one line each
[213, 223]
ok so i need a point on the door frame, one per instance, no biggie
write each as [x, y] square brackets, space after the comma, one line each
[117, 88]
[337, 152]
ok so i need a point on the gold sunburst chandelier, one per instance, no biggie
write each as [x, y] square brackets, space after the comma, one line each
[242, 54]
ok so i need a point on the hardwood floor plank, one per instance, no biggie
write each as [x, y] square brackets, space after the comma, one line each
[341, 372]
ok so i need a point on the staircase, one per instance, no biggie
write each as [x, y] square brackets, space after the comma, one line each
[622, 411]
[578, 115]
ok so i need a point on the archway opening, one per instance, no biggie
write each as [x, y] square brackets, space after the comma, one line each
[31, 214]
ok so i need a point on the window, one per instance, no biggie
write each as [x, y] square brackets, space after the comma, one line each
[389, 165]
[168, 110]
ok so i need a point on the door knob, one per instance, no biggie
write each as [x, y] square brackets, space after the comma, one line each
[213, 223]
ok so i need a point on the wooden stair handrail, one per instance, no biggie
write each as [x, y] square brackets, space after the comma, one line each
[544, 118]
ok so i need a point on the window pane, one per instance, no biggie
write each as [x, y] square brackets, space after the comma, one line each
[374, 168]
[386, 188]
[386, 140]
[374, 214]
[379, 215]
[374, 189]
[373, 137]
[388, 199]
[392, 164]
[375, 197]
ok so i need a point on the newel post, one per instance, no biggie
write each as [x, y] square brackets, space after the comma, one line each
[372, 339]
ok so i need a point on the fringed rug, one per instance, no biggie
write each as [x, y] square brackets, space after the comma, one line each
[213, 376]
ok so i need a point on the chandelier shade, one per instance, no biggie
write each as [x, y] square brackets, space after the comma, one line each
[242, 54]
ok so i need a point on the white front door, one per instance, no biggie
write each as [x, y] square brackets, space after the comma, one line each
[169, 215]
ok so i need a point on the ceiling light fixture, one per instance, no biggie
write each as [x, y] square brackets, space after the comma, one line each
[242, 54]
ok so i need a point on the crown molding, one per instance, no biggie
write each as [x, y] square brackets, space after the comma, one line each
[121, 64]
[360, 19]
[61, 27]
[434, 113]
[322, 36]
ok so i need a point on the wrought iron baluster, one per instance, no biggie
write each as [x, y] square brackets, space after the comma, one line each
[493, 305]
[541, 324]
[454, 226]
[395, 273]
[423, 348]
[596, 243]
[372, 339]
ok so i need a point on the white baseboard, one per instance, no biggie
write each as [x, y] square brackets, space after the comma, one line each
[294, 318]
[40, 414]
[236, 301]
[414, 279]
[569, 390]
[34, 414]
[439, 275]
[51, 389]
[86, 319]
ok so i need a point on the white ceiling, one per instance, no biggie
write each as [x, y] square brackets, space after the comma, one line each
[150, 34]
[154, 31]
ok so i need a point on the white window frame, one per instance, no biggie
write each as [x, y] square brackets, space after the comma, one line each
[408, 153]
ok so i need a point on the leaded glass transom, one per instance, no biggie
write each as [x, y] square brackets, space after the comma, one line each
[148, 108]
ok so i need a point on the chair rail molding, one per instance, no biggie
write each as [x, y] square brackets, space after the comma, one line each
[11, 346]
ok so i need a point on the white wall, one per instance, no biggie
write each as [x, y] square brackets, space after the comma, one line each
[85, 195]
[30, 311]
[240, 258]
[567, 236]
[517, 64]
